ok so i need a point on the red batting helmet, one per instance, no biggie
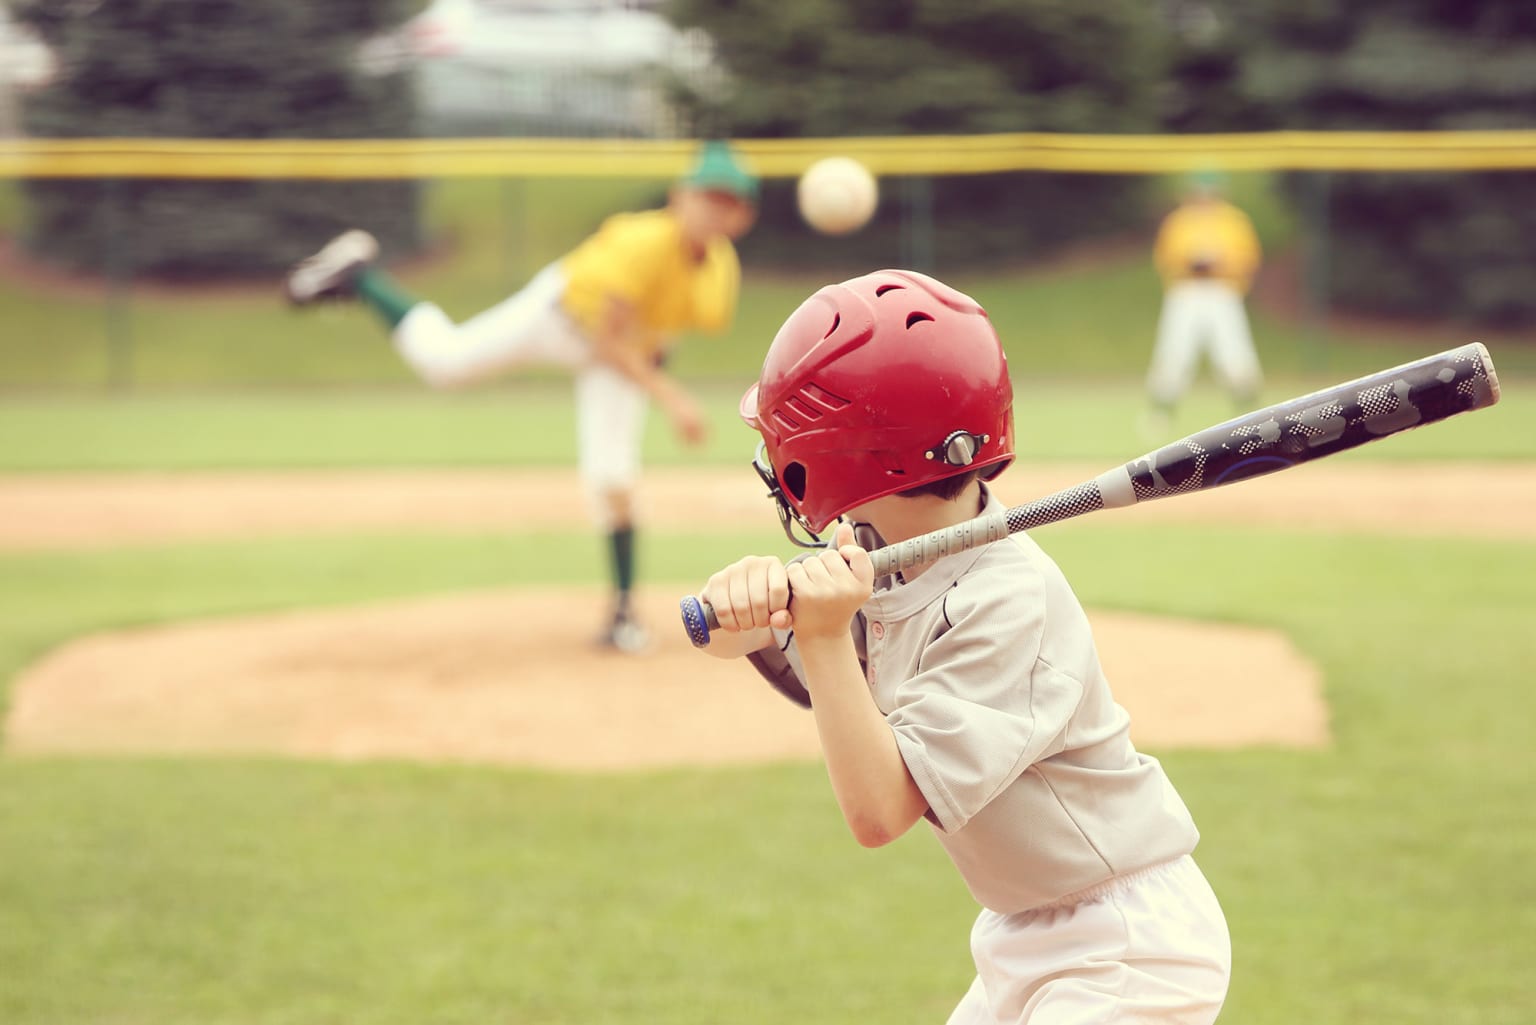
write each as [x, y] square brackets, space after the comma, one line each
[882, 383]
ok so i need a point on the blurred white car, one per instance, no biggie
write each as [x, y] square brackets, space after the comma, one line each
[503, 67]
[26, 62]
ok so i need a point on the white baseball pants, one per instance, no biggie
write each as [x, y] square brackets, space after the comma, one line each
[530, 328]
[1149, 948]
[1202, 316]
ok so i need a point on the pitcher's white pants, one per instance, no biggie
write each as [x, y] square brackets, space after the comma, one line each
[1149, 948]
[526, 329]
[1202, 316]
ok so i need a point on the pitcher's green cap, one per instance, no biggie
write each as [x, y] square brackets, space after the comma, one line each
[1208, 178]
[718, 168]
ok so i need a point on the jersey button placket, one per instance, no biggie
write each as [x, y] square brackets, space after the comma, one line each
[876, 634]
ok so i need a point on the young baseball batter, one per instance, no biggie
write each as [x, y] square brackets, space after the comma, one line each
[967, 692]
[609, 311]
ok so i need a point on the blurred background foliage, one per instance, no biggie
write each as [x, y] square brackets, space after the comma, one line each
[191, 69]
[1463, 245]
[1444, 245]
[1448, 246]
[915, 67]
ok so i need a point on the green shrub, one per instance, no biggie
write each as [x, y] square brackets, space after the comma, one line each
[1455, 245]
[897, 67]
[190, 69]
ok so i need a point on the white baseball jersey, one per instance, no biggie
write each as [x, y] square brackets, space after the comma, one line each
[985, 668]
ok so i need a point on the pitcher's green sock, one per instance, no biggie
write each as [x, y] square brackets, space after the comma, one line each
[382, 292]
[622, 548]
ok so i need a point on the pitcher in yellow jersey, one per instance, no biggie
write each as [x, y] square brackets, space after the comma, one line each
[608, 311]
[1206, 254]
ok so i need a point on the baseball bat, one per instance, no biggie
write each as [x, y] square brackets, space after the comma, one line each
[1274, 438]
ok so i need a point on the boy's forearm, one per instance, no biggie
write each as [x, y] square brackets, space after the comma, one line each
[875, 791]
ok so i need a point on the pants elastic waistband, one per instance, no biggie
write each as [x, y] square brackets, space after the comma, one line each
[1108, 886]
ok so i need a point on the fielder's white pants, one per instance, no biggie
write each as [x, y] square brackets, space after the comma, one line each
[1149, 948]
[526, 329]
[1202, 316]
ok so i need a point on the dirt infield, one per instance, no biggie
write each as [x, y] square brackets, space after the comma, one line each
[508, 677]
[89, 511]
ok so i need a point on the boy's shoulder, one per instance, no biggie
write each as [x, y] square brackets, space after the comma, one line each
[1006, 578]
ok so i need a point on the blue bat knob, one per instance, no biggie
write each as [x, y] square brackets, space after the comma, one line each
[695, 621]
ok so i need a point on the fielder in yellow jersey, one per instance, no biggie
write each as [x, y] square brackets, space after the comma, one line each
[608, 311]
[1206, 254]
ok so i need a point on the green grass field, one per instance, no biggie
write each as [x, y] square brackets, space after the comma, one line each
[1380, 881]
[1384, 880]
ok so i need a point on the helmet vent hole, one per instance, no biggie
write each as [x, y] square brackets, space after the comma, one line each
[794, 480]
[887, 288]
[785, 421]
[803, 409]
[819, 395]
[917, 318]
[837, 318]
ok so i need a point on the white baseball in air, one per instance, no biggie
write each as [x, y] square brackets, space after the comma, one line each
[837, 195]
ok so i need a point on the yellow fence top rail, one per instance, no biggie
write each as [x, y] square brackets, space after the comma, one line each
[773, 158]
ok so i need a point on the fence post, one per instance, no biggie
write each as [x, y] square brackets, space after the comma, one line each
[1316, 272]
[119, 322]
[514, 230]
[917, 223]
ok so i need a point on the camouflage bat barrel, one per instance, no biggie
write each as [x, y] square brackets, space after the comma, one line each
[1299, 430]
[1274, 438]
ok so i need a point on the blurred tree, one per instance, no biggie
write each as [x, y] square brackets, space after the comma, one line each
[891, 67]
[1443, 245]
[1202, 90]
[200, 69]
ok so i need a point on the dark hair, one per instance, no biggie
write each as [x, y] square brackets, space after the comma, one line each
[945, 487]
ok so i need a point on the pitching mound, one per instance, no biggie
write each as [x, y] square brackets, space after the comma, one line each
[509, 677]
